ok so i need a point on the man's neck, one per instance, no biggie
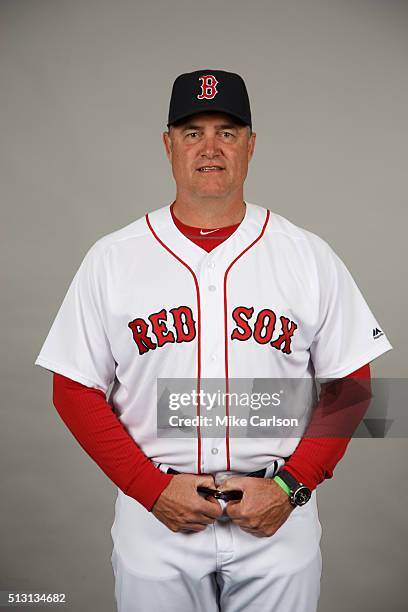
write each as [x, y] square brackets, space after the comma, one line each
[209, 214]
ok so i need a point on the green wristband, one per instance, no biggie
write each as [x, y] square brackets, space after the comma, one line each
[282, 484]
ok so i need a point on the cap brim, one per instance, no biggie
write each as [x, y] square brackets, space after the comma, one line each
[182, 118]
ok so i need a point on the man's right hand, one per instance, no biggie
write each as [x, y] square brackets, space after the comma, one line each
[181, 508]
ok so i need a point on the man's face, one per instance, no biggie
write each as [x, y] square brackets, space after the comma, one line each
[209, 155]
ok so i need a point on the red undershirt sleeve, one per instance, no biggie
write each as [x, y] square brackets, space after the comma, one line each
[93, 423]
[315, 458]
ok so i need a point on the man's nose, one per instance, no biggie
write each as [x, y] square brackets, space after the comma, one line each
[210, 146]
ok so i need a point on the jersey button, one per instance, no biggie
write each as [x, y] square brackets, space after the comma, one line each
[214, 357]
[212, 288]
[211, 265]
[214, 451]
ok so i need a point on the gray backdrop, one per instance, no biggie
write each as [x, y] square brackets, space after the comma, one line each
[85, 86]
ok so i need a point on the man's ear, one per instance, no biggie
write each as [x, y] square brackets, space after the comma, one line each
[251, 145]
[167, 145]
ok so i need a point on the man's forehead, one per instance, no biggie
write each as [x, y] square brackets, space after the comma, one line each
[212, 118]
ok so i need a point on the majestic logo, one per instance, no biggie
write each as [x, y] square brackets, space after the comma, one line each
[377, 333]
[178, 325]
[208, 87]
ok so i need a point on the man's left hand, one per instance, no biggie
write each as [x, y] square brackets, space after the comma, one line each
[264, 506]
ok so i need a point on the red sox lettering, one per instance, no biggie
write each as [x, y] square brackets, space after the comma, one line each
[148, 335]
[183, 323]
[264, 328]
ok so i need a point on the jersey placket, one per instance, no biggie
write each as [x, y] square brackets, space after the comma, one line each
[211, 276]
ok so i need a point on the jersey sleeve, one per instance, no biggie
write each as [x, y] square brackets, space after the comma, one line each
[348, 335]
[77, 345]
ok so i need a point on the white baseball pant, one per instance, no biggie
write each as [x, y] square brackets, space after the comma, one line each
[222, 568]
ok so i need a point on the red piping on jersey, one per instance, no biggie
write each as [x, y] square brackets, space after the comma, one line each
[198, 337]
[227, 444]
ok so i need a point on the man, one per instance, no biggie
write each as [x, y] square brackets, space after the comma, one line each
[210, 287]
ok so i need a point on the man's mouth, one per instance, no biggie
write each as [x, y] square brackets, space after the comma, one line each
[210, 169]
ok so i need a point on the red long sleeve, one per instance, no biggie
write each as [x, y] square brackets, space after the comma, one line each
[315, 458]
[91, 420]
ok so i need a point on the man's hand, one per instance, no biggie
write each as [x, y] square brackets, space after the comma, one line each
[181, 508]
[264, 506]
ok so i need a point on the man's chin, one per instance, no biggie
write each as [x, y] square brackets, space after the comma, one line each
[214, 194]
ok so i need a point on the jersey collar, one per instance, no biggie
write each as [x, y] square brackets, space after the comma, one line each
[250, 228]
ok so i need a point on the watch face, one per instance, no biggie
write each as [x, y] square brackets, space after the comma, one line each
[301, 496]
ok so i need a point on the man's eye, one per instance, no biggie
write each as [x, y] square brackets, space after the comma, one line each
[227, 135]
[192, 135]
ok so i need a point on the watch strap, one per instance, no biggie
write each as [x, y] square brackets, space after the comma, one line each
[289, 480]
[282, 484]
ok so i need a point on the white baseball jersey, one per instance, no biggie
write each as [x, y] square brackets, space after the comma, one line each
[271, 301]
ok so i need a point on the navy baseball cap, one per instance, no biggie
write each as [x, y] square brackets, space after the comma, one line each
[209, 90]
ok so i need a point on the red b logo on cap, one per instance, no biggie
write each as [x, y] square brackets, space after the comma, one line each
[208, 87]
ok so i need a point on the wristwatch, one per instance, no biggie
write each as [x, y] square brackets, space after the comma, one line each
[299, 494]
